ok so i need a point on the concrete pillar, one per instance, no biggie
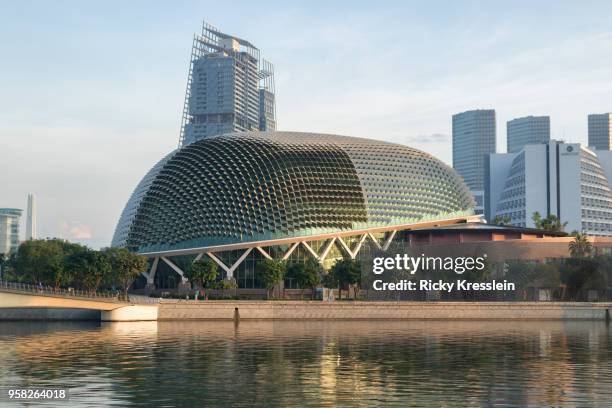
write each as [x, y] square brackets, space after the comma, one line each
[131, 313]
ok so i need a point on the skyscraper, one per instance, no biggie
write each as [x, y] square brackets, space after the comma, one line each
[527, 130]
[600, 131]
[9, 230]
[31, 229]
[230, 88]
[474, 137]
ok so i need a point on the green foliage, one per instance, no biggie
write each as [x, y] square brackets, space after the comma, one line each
[125, 266]
[270, 272]
[580, 247]
[225, 284]
[501, 220]
[582, 274]
[550, 223]
[202, 272]
[347, 272]
[330, 281]
[3, 261]
[88, 268]
[45, 261]
[306, 274]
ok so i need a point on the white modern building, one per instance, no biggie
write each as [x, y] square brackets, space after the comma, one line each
[474, 138]
[600, 131]
[31, 228]
[564, 179]
[527, 130]
[9, 230]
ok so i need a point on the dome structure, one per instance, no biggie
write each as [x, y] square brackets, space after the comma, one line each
[256, 186]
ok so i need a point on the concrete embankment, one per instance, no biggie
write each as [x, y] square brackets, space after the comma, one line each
[129, 313]
[313, 310]
[48, 313]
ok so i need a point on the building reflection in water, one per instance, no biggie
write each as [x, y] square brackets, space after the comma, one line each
[263, 363]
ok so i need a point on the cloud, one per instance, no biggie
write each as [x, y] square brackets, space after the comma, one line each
[75, 231]
[432, 138]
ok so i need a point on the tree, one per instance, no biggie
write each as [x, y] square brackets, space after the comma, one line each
[312, 275]
[225, 284]
[3, 259]
[347, 272]
[88, 268]
[501, 220]
[45, 261]
[203, 272]
[331, 281]
[580, 247]
[550, 223]
[581, 273]
[126, 266]
[476, 276]
[306, 274]
[270, 272]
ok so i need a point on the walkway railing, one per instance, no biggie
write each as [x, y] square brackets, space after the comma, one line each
[73, 293]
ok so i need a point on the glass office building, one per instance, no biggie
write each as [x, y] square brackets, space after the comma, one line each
[600, 131]
[527, 130]
[474, 138]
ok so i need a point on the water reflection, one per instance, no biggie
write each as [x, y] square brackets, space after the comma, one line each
[382, 363]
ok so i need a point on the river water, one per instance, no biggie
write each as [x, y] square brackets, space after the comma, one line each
[361, 364]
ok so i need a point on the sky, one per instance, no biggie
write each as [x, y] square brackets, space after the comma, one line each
[91, 93]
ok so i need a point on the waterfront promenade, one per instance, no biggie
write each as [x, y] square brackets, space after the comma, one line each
[23, 302]
[378, 310]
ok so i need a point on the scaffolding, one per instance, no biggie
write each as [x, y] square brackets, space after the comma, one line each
[211, 41]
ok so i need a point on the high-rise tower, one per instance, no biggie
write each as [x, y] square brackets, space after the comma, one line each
[31, 229]
[474, 137]
[230, 88]
[600, 131]
[527, 130]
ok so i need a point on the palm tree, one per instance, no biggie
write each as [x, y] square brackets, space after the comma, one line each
[580, 247]
[501, 220]
[550, 223]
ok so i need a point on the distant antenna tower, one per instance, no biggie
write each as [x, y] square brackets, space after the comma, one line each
[31, 229]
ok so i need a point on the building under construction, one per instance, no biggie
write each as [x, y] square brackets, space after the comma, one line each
[230, 88]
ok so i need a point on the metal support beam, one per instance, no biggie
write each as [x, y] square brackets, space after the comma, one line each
[389, 240]
[151, 274]
[176, 269]
[353, 252]
[312, 251]
[359, 244]
[374, 240]
[264, 253]
[229, 270]
[327, 249]
[290, 251]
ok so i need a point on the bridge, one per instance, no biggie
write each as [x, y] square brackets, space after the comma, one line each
[14, 295]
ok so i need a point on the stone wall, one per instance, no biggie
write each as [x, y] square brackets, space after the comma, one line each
[317, 310]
